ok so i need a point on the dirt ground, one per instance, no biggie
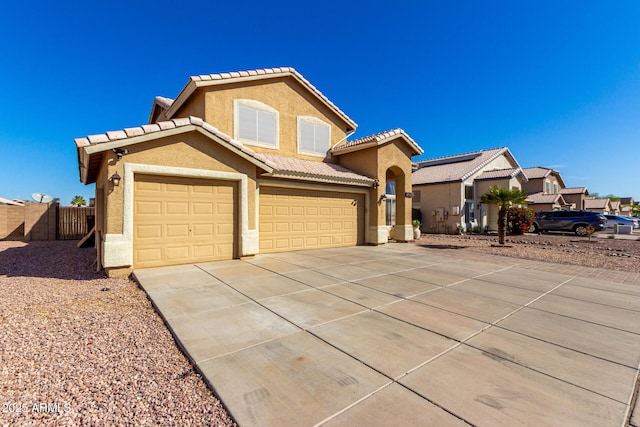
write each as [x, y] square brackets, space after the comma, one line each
[615, 254]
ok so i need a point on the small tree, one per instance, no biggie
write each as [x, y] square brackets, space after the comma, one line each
[503, 198]
[78, 201]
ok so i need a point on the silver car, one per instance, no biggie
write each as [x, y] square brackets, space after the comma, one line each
[612, 220]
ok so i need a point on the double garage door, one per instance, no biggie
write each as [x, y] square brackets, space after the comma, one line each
[185, 220]
[293, 219]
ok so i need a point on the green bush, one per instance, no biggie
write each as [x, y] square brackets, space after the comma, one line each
[519, 220]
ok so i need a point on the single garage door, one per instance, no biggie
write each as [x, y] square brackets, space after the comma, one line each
[182, 220]
[308, 219]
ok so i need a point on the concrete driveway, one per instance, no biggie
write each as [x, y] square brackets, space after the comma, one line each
[381, 336]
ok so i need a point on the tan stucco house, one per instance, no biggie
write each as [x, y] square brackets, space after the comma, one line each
[447, 190]
[594, 204]
[543, 188]
[626, 206]
[238, 164]
[575, 197]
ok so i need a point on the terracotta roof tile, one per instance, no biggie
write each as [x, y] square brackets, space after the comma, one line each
[116, 134]
[96, 139]
[377, 139]
[574, 190]
[270, 71]
[137, 131]
[292, 167]
[163, 102]
[500, 173]
[537, 172]
[170, 124]
[545, 198]
[593, 203]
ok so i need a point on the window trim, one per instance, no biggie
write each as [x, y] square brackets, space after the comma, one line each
[256, 105]
[314, 121]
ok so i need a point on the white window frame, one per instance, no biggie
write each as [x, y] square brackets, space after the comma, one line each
[256, 105]
[547, 187]
[316, 122]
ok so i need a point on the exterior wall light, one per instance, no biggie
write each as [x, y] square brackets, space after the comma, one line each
[115, 179]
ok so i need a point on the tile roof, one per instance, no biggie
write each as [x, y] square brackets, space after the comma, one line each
[545, 198]
[204, 80]
[288, 167]
[278, 166]
[455, 168]
[163, 102]
[500, 173]
[542, 172]
[87, 146]
[574, 190]
[377, 139]
[626, 200]
[593, 203]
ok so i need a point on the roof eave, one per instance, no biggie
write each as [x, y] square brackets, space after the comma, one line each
[86, 151]
[320, 178]
[194, 84]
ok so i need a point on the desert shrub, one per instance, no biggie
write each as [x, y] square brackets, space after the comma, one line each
[519, 220]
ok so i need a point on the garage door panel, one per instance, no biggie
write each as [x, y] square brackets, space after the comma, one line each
[182, 220]
[148, 208]
[303, 219]
[177, 230]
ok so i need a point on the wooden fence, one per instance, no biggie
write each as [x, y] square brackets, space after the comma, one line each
[74, 222]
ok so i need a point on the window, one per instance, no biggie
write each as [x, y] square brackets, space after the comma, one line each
[416, 196]
[547, 187]
[555, 188]
[390, 203]
[313, 136]
[256, 123]
[468, 192]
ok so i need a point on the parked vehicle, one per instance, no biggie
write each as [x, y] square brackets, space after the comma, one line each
[575, 221]
[612, 220]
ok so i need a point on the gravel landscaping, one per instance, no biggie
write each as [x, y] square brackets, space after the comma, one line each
[613, 254]
[81, 349]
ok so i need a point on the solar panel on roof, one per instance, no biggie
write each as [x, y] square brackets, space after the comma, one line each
[449, 160]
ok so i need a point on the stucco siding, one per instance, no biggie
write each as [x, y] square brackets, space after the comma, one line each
[444, 196]
[283, 95]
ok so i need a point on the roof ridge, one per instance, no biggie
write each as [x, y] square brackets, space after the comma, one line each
[195, 79]
[462, 154]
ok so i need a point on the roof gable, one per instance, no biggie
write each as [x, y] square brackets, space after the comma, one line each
[539, 172]
[377, 140]
[458, 167]
[542, 198]
[89, 147]
[205, 80]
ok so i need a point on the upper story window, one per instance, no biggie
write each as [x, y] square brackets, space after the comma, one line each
[255, 123]
[555, 188]
[314, 136]
[547, 187]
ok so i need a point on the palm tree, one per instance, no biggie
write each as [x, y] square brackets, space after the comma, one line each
[503, 198]
[78, 201]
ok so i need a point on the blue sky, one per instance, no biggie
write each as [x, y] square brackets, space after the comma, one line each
[558, 82]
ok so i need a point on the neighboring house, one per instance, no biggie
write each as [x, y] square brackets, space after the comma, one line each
[543, 180]
[447, 190]
[545, 202]
[626, 204]
[615, 207]
[602, 206]
[4, 201]
[238, 164]
[575, 197]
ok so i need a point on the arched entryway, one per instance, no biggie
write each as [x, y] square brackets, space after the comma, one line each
[396, 205]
